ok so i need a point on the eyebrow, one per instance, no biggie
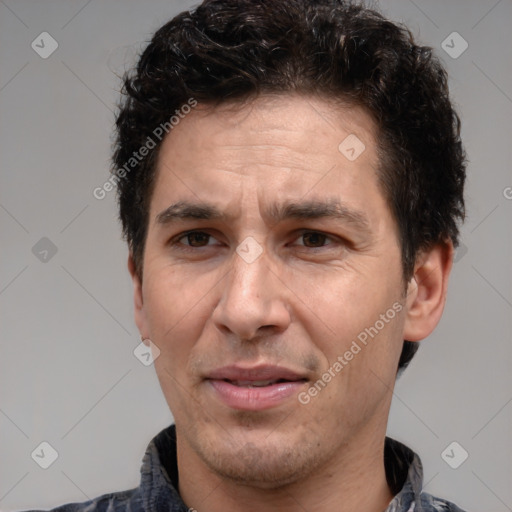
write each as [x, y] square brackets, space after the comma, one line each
[304, 210]
[185, 210]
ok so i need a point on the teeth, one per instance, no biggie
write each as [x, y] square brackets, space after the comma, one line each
[252, 383]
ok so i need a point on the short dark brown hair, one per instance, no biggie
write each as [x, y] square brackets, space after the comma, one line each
[227, 50]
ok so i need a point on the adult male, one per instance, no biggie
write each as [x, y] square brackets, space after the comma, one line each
[290, 179]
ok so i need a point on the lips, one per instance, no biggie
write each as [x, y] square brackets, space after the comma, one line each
[255, 374]
[254, 383]
[254, 388]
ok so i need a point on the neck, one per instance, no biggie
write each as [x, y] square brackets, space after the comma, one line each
[354, 479]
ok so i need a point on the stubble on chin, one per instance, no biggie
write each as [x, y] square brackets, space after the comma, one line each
[267, 460]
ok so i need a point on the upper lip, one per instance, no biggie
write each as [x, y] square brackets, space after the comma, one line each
[254, 373]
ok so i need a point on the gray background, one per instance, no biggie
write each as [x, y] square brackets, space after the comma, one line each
[68, 375]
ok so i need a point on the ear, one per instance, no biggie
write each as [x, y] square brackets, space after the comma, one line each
[138, 303]
[426, 293]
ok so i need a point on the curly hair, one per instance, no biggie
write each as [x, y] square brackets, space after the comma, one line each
[231, 50]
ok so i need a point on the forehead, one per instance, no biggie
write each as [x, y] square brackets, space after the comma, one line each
[286, 146]
[282, 120]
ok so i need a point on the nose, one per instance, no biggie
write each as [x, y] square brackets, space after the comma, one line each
[253, 300]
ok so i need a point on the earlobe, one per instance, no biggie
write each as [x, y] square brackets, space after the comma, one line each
[138, 302]
[426, 294]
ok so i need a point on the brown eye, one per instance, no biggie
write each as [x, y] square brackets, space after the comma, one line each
[196, 238]
[314, 239]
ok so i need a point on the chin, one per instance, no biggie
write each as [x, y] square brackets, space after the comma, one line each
[256, 458]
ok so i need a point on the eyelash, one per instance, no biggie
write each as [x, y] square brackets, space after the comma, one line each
[188, 248]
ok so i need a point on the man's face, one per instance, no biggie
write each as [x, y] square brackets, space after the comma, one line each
[255, 305]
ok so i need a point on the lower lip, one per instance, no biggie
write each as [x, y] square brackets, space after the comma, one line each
[257, 398]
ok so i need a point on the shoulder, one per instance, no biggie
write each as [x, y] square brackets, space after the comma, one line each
[113, 502]
[429, 503]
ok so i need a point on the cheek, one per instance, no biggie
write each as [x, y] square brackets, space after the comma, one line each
[177, 307]
[360, 369]
[353, 315]
[341, 301]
